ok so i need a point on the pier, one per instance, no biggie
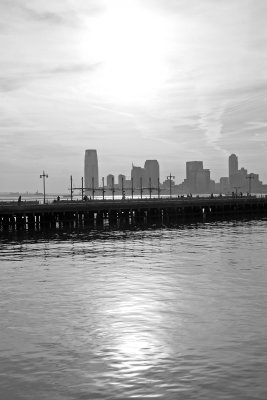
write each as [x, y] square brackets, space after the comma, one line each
[32, 215]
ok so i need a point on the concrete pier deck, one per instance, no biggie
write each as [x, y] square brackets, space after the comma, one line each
[32, 214]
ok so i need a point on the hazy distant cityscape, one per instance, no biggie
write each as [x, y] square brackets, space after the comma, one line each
[197, 181]
[147, 180]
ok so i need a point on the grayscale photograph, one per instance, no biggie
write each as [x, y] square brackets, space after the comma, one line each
[133, 199]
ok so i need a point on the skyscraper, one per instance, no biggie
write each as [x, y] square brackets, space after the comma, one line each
[233, 165]
[137, 175]
[233, 172]
[121, 180]
[151, 173]
[91, 169]
[203, 181]
[110, 181]
[192, 169]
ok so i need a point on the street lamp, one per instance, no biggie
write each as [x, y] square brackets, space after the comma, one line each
[132, 187]
[170, 179]
[103, 188]
[113, 189]
[44, 176]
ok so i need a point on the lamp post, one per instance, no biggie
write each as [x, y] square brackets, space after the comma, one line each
[122, 189]
[82, 187]
[170, 179]
[71, 189]
[44, 176]
[113, 189]
[93, 187]
[103, 188]
[132, 187]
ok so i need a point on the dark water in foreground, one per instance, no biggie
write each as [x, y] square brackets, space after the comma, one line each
[160, 313]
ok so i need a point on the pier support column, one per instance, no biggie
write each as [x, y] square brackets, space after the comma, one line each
[20, 221]
[112, 217]
[31, 221]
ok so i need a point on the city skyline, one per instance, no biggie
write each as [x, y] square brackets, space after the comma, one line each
[189, 84]
[223, 184]
[197, 178]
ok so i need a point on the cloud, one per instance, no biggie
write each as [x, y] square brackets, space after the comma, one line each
[73, 68]
[212, 101]
[14, 81]
[50, 12]
[9, 84]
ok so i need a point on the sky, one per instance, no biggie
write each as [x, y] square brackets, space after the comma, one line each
[175, 80]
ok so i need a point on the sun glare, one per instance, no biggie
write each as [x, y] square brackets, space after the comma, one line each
[131, 45]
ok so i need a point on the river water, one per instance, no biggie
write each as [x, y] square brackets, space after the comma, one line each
[158, 313]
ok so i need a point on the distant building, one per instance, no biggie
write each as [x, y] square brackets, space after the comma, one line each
[138, 176]
[151, 173]
[192, 169]
[121, 180]
[224, 185]
[91, 170]
[241, 181]
[167, 183]
[197, 178]
[233, 172]
[254, 184]
[212, 187]
[110, 181]
[233, 165]
[203, 181]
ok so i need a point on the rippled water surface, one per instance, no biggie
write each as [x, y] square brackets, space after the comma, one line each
[165, 313]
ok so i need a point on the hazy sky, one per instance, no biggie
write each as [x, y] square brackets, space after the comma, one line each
[172, 80]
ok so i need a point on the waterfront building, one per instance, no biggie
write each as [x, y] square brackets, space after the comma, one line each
[167, 183]
[233, 165]
[254, 184]
[91, 170]
[110, 181]
[224, 185]
[241, 181]
[192, 168]
[203, 181]
[151, 173]
[197, 179]
[234, 178]
[138, 175]
[121, 180]
[212, 187]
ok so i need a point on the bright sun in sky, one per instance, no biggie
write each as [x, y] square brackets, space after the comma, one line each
[130, 44]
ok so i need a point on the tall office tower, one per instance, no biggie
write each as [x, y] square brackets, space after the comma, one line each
[110, 181]
[121, 180]
[151, 172]
[138, 176]
[192, 169]
[203, 181]
[233, 165]
[91, 170]
[233, 172]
